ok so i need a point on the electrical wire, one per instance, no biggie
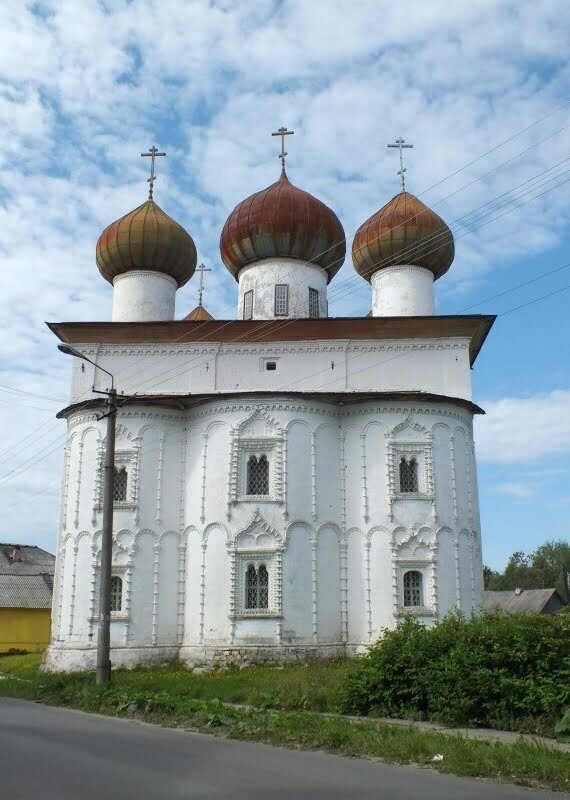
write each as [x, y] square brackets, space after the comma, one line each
[443, 180]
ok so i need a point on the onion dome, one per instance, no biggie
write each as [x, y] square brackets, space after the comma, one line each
[283, 221]
[199, 314]
[146, 239]
[404, 231]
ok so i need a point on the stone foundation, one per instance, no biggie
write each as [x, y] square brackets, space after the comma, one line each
[248, 655]
[80, 659]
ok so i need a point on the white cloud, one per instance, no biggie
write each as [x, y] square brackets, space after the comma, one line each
[85, 87]
[518, 490]
[518, 429]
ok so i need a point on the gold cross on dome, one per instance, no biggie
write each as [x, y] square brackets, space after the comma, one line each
[153, 154]
[401, 145]
[282, 132]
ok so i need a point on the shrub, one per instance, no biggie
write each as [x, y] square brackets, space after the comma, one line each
[491, 670]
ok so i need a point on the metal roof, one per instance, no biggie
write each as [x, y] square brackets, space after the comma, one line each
[26, 591]
[518, 600]
[30, 560]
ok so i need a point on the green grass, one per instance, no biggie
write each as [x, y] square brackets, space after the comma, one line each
[170, 695]
[311, 687]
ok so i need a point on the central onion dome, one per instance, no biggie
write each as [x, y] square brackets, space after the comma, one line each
[404, 232]
[146, 239]
[283, 221]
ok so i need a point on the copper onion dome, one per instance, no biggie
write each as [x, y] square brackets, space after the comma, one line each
[404, 231]
[146, 239]
[283, 221]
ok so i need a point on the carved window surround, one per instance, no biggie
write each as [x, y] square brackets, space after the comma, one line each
[256, 544]
[426, 567]
[121, 571]
[130, 460]
[242, 449]
[422, 452]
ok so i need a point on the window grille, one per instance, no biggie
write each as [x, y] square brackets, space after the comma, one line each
[258, 475]
[409, 475]
[281, 300]
[313, 303]
[120, 485]
[116, 593]
[413, 589]
[248, 304]
[256, 587]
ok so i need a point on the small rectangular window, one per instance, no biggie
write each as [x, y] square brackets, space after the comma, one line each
[248, 305]
[271, 366]
[313, 304]
[281, 300]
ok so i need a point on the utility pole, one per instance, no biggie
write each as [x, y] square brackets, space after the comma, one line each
[103, 669]
[103, 673]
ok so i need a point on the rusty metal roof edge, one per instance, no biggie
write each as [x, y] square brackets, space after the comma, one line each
[183, 402]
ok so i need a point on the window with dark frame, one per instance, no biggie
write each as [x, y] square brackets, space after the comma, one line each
[256, 588]
[258, 475]
[248, 304]
[409, 475]
[116, 593]
[313, 303]
[120, 483]
[413, 590]
[281, 300]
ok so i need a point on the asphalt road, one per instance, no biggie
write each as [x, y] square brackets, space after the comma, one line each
[57, 754]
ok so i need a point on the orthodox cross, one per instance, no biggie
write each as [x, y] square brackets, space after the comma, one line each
[400, 144]
[282, 132]
[153, 154]
[202, 269]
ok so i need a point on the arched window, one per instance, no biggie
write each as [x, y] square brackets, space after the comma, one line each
[258, 475]
[413, 590]
[116, 593]
[120, 484]
[409, 475]
[256, 587]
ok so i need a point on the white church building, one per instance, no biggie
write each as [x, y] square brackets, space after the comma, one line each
[287, 484]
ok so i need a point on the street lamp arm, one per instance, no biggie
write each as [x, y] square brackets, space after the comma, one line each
[73, 351]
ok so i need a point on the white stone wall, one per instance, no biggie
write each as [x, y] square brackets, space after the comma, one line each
[143, 296]
[262, 277]
[335, 533]
[438, 366]
[402, 291]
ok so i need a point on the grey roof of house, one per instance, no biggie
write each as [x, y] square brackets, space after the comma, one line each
[34, 560]
[511, 602]
[26, 591]
[26, 582]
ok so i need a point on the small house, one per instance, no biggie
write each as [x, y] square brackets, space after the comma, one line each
[541, 601]
[26, 588]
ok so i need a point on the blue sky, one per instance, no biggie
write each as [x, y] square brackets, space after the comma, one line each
[86, 87]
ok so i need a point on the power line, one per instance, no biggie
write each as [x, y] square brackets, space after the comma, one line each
[470, 163]
[289, 322]
[513, 136]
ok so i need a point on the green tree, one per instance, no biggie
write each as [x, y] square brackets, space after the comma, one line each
[546, 567]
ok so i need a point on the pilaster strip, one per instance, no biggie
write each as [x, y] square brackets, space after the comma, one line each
[368, 588]
[78, 485]
[155, 592]
[314, 588]
[202, 590]
[364, 477]
[343, 591]
[313, 476]
[159, 477]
